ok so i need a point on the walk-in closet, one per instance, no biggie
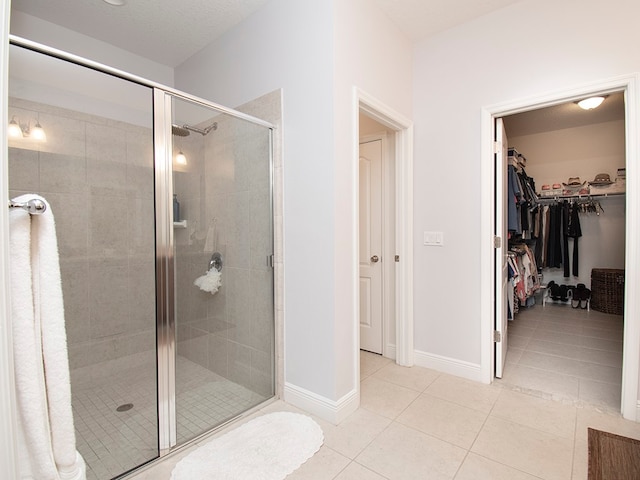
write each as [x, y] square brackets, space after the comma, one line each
[566, 236]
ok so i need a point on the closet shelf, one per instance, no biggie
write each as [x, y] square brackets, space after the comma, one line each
[585, 196]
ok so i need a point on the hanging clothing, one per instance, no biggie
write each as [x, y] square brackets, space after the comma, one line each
[575, 232]
[513, 200]
[565, 237]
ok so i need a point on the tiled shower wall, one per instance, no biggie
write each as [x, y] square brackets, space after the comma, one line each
[97, 174]
[226, 188]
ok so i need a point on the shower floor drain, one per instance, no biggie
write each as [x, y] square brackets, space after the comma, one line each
[125, 407]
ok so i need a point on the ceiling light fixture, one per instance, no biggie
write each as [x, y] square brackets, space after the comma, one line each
[591, 102]
[15, 129]
[115, 3]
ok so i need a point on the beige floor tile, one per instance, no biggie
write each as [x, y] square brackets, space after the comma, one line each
[606, 421]
[370, 363]
[385, 398]
[553, 363]
[602, 357]
[518, 341]
[550, 384]
[558, 349]
[161, 470]
[574, 328]
[557, 337]
[401, 453]
[601, 394]
[521, 330]
[414, 378]
[324, 465]
[546, 415]
[354, 433]
[464, 392]
[601, 344]
[513, 355]
[355, 471]
[526, 449]
[443, 419]
[476, 467]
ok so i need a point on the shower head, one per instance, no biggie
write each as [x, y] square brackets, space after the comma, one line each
[179, 131]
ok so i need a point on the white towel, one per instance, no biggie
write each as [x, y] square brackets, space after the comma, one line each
[47, 445]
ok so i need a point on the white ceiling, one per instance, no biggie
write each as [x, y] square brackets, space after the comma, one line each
[170, 31]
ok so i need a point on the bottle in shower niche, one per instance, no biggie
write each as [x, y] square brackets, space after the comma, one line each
[176, 208]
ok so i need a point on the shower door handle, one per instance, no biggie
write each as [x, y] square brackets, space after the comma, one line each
[375, 259]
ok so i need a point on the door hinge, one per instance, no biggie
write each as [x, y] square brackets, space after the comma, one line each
[397, 258]
[497, 148]
[270, 261]
[497, 337]
[497, 242]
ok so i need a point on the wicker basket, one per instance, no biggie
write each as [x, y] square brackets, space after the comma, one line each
[607, 290]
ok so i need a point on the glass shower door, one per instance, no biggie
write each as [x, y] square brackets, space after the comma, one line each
[95, 168]
[222, 217]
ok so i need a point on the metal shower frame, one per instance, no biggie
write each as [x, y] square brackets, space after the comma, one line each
[165, 259]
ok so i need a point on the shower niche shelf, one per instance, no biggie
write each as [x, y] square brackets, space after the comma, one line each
[180, 224]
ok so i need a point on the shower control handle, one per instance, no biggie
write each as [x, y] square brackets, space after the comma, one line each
[375, 259]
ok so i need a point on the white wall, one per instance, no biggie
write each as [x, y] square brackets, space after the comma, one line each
[288, 44]
[50, 34]
[316, 52]
[528, 49]
[372, 54]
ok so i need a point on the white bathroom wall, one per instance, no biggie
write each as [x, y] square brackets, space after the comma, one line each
[528, 49]
[316, 53]
[288, 44]
[50, 34]
[373, 55]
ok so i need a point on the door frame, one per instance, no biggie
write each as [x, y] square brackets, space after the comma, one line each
[403, 128]
[629, 84]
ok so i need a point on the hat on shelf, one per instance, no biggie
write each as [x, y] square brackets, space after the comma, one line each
[601, 179]
[574, 182]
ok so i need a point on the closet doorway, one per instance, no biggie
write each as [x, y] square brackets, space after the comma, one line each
[565, 209]
[376, 236]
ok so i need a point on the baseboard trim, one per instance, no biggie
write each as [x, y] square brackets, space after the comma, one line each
[452, 366]
[329, 410]
[389, 351]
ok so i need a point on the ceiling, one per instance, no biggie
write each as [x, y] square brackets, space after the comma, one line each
[565, 115]
[170, 31]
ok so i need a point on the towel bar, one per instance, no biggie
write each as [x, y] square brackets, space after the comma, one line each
[34, 206]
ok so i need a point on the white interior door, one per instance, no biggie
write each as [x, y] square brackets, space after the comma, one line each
[371, 246]
[501, 265]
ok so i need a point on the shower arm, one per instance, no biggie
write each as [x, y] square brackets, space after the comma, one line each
[201, 131]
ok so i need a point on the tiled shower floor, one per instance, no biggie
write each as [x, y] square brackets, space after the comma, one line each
[113, 442]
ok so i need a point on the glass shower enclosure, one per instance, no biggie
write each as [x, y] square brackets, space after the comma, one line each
[163, 209]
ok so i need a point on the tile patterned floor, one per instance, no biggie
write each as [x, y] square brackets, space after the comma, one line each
[113, 442]
[567, 354]
[415, 423]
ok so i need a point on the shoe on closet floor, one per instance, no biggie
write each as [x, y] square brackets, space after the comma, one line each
[585, 295]
[577, 295]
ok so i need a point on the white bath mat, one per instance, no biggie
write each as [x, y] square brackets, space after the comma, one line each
[269, 447]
